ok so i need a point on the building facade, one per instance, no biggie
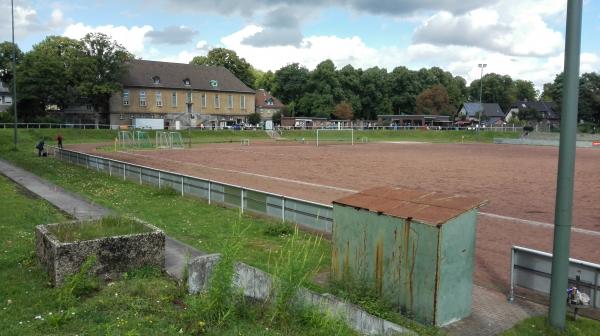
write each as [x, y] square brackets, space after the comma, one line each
[267, 105]
[193, 95]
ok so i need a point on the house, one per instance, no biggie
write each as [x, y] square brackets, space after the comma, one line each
[546, 109]
[414, 120]
[5, 97]
[267, 105]
[194, 95]
[304, 122]
[482, 113]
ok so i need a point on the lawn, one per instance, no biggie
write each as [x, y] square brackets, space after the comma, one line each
[538, 326]
[401, 135]
[143, 302]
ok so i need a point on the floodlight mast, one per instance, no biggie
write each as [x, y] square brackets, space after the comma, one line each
[563, 212]
[14, 71]
[481, 65]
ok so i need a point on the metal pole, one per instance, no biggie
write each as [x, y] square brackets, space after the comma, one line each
[563, 213]
[14, 71]
[481, 65]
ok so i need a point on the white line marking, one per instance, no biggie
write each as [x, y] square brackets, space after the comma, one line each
[246, 173]
[536, 223]
[487, 214]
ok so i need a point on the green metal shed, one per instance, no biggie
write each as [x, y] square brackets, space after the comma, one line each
[416, 248]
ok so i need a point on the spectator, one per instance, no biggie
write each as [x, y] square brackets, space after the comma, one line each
[59, 140]
[40, 147]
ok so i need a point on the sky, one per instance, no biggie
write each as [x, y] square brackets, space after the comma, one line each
[523, 39]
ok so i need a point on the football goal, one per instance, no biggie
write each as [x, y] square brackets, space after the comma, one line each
[169, 140]
[124, 139]
[343, 135]
[142, 139]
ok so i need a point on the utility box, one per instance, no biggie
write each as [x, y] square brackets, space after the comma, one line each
[415, 248]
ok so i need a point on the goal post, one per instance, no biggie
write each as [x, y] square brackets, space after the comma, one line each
[163, 140]
[338, 135]
[176, 140]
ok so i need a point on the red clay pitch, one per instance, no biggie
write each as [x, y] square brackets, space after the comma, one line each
[518, 181]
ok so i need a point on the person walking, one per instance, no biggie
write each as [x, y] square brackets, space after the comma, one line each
[59, 140]
[40, 147]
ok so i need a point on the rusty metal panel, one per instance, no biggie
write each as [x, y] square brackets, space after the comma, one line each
[457, 255]
[427, 207]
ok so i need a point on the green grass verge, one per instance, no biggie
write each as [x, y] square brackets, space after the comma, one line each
[105, 227]
[401, 135]
[143, 302]
[538, 326]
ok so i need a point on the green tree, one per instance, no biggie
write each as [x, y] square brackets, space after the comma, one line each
[229, 59]
[496, 89]
[264, 80]
[315, 105]
[529, 114]
[254, 118]
[48, 75]
[374, 94]
[524, 90]
[6, 54]
[434, 101]
[102, 70]
[589, 95]
[290, 83]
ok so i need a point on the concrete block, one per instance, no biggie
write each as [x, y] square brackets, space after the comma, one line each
[199, 270]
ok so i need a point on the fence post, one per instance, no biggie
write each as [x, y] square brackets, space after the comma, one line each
[182, 186]
[159, 179]
[209, 191]
[283, 209]
[124, 171]
[109, 169]
[242, 200]
[511, 295]
[140, 175]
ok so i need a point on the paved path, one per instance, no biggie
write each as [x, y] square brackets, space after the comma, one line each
[176, 252]
[491, 315]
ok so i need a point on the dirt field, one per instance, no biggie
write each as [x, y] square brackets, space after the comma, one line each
[518, 181]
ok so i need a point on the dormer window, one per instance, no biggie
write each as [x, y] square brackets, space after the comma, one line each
[156, 80]
[186, 82]
[270, 102]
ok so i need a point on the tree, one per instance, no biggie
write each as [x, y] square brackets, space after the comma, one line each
[290, 83]
[264, 80]
[434, 101]
[589, 95]
[524, 90]
[529, 114]
[229, 59]
[48, 75]
[105, 66]
[254, 118]
[6, 55]
[343, 111]
[496, 89]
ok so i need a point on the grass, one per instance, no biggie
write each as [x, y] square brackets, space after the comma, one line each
[538, 326]
[106, 227]
[143, 302]
[401, 135]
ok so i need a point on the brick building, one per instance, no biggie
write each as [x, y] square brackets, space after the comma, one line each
[195, 95]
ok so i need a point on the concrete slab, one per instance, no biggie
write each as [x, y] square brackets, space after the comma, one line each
[493, 314]
[75, 205]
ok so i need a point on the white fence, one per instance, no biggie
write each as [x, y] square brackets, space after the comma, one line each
[310, 215]
[532, 269]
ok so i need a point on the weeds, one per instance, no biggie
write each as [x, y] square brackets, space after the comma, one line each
[292, 271]
[278, 229]
[165, 192]
[105, 227]
[79, 284]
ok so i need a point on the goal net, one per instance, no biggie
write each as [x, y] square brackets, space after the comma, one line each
[176, 140]
[124, 139]
[142, 139]
[335, 136]
[163, 140]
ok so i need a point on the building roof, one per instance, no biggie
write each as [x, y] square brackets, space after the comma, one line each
[426, 207]
[173, 76]
[546, 108]
[489, 110]
[265, 99]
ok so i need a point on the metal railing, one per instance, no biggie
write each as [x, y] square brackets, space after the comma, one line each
[310, 215]
[532, 269]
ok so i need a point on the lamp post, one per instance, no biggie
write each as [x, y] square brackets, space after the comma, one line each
[14, 70]
[481, 65]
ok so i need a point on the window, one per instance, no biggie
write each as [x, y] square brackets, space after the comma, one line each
[243, 102]
[8, 100]
[189, 97]
[158, 99]
[230, 101]
[217, 101]
[156, 80]
[121, 117]
[174, 99]
[270, 102]
[142, 98]
[186, 82]
[204, 100]
[125, 97]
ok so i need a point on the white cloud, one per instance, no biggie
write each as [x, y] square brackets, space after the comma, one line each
[131, 38]
[27, 20]
[56, 18]
[508, 27]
